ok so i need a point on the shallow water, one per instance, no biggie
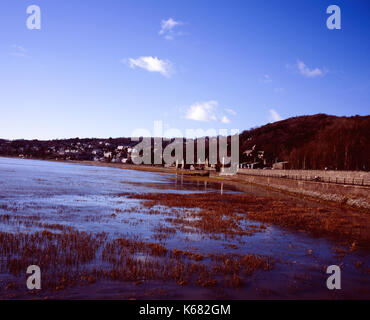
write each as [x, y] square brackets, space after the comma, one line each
[87, 198]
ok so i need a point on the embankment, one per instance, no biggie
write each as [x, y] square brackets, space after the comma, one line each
[352, 195]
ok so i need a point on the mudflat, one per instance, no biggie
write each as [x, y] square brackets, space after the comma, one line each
[99, 232]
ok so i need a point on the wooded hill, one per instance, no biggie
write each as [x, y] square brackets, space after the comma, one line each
[307, 142]
[313, 142]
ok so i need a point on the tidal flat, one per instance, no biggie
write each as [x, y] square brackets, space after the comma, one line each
[108, 233]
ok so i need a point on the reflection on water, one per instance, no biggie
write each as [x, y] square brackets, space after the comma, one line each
[85, 198]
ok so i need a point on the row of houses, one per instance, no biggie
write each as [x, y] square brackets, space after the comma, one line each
[71, 149]
[255, 159]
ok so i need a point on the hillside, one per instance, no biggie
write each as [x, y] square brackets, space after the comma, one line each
[312, 142]
[307, 142]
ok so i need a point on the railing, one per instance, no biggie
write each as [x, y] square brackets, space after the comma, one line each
[337, 180]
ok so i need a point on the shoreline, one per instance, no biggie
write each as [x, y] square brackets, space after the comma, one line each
[114, 165]
[236, 181]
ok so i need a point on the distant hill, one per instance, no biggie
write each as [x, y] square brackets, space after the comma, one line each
[312, 142]
[306, 142]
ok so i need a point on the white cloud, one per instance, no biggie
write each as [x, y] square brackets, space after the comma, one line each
[231, 111]
[274, 116]
[18, 51]
[307, 72]
[152, 64]
[167, 28]
[225, 119]
[207, 111]
[202, 111]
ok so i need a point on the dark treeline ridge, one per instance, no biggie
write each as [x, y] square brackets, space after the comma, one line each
[306, 142]
[313, 142]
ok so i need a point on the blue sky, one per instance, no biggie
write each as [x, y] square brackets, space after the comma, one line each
[104, 68]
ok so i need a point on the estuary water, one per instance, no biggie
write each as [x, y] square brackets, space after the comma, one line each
[42, 195]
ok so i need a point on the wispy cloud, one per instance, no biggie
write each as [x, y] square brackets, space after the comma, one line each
[274, 116]
[231, 111]
[151, 64]
[168, 28]
[307, 72]
[18, 51]
[278, 90]
[266, 78]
